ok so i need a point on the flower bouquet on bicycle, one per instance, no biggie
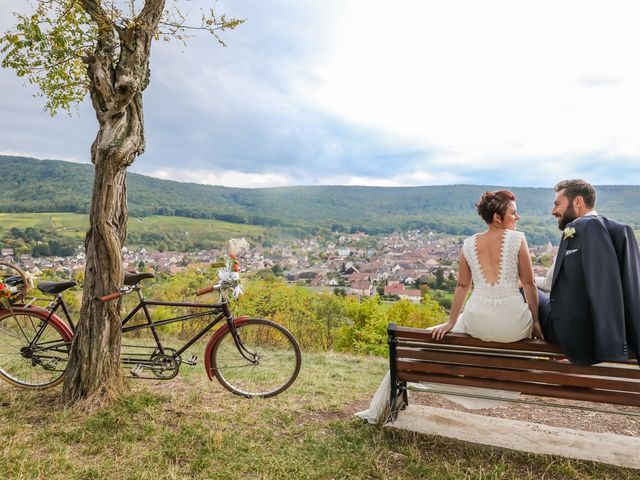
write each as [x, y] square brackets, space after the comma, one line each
[251, 357]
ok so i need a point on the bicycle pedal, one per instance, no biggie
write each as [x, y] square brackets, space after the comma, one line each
[137, 370]
[192, 361]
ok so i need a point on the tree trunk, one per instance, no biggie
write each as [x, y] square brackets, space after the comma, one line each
[93, 372]
[93, 368]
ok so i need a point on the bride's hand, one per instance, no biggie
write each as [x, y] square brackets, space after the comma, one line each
[441, 330]
[537, 331]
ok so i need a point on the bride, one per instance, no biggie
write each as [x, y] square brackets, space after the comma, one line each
[496, 262]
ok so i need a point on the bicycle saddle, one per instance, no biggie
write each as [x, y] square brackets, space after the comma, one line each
[132, 278]
[55, 287]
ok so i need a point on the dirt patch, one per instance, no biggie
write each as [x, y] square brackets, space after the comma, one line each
[553, 413]
[345, 413]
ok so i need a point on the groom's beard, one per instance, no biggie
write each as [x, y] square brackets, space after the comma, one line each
[569, 215]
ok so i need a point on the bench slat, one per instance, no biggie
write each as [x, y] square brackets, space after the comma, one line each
[523, 361]
[462, 339]
[572, 393]
[467, 340]
[499, 373]
[505, 350]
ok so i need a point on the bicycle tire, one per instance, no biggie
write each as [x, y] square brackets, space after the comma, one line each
[43, 365]
[275, 369]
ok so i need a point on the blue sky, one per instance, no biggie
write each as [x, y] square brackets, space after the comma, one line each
[366, 92]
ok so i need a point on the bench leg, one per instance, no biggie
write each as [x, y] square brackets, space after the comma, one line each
[398, 397]
[405, 395]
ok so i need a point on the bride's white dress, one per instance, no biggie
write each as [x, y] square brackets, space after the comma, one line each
[496, 312]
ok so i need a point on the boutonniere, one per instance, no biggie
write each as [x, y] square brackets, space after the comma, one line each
[569, 232]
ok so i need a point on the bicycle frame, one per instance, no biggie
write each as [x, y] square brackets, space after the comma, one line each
[221, 311]
[68, 329]
[47, 316]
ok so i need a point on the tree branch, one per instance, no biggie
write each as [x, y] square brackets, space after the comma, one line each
[98, 15]
[151, 13]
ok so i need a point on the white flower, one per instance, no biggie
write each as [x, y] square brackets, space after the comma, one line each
[569, 232]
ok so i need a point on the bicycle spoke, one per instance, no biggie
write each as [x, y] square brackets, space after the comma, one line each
[272, 363]
[27, 362]
[22, 330]
[35, 330]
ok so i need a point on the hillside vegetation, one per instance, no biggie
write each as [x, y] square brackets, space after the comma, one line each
[59, 233]
[30, 185]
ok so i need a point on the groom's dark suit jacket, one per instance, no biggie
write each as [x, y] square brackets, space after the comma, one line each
[626, 246]
[585, 313]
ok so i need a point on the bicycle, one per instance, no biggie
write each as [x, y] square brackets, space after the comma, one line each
[250, 357]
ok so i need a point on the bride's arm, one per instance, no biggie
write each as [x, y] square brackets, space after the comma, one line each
[462, 288]
[525, 268]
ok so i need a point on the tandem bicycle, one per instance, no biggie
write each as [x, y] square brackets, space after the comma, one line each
[250, 357]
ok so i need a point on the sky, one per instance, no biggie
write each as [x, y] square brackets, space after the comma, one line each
[366, 92]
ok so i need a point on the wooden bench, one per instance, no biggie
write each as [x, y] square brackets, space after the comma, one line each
[532, 367]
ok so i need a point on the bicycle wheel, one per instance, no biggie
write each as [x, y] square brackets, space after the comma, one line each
[33, 352]
[270, 363]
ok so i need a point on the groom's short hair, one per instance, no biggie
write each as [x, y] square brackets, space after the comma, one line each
[578, 188]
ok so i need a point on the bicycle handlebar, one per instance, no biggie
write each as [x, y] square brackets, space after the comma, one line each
[111, 296]
[204, 290]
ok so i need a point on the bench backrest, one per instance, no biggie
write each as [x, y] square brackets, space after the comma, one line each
[533, 367]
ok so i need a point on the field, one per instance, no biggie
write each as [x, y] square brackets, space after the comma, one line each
[74, 226]
[190, 428]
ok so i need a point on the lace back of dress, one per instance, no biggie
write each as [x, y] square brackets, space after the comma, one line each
[509, 268]
[507, 283]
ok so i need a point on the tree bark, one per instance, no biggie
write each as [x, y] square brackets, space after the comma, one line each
[116, 85]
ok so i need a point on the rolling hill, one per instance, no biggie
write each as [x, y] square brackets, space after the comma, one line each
[31, 185]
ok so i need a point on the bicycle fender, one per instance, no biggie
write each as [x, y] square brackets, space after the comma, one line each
[238, 321]
[44, 315]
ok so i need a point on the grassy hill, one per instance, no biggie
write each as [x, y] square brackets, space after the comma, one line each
[30, 185]
[175, 233]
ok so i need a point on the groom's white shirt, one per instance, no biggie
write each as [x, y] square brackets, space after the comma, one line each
[544, 283]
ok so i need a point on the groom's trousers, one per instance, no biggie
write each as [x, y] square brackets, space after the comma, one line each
[544, 315]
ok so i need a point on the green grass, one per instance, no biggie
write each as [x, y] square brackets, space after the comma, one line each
[73, 225]
[190, 428]
[68, 225]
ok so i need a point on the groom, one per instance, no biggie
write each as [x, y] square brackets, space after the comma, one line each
[593, 309]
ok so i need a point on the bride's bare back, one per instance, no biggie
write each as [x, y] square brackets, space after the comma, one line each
[489, 247]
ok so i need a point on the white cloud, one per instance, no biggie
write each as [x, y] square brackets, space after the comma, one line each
[488, 78]
[232, 178]
[227, 178]
[372, 93]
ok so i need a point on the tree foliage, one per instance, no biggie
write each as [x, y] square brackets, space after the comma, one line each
[46, 48]
[326, 321]
[50, 46]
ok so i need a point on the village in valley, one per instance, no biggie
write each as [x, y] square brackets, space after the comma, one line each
[394, 266]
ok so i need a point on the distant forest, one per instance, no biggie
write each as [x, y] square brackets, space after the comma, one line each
[31, 185]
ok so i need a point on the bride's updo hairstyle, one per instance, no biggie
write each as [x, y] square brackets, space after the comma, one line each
[494, 202]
